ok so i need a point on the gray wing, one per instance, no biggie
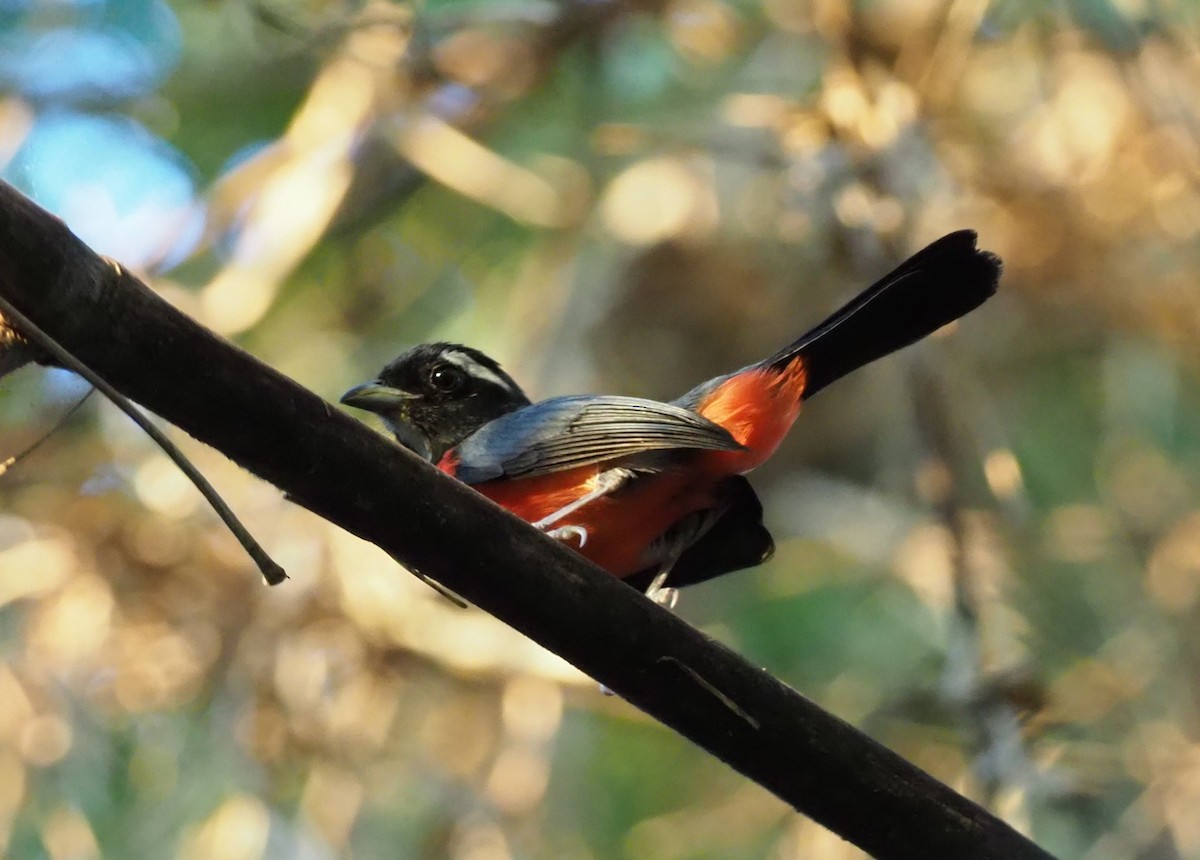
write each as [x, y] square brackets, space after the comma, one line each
[568, 432]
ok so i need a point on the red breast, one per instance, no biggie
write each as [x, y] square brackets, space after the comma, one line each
[757, 407]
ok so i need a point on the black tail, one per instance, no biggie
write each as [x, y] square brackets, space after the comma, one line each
[933, 287]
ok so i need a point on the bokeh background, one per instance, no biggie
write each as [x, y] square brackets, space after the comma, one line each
[989, 546]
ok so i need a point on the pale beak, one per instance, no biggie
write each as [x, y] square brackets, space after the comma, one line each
[391, 404]
[377, 397]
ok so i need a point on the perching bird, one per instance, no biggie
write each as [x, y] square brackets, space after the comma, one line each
[654, 490]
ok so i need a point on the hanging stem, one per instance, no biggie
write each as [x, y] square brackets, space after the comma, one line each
[271, 571]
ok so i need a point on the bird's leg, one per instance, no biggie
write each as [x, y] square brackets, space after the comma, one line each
[671, 546]
[606, 482]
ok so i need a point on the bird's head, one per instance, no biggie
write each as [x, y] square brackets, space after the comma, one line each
[435, 395]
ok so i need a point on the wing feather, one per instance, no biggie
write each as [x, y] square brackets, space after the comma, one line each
[569, 432]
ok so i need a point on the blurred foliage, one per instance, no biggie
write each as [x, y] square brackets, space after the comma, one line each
[989, 546]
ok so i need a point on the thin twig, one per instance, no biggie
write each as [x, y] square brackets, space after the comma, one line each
[58, 425]
[272, 572]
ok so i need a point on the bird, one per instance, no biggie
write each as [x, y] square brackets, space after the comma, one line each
[655, 492]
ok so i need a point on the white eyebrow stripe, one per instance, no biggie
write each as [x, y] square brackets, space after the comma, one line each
[477, 370]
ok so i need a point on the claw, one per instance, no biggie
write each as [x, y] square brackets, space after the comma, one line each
[563, 533]
[665, 597]
[659, 593]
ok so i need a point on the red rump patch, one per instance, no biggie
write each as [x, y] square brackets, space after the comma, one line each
[757, 406]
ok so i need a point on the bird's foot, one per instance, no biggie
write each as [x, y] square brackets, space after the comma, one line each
[659, 593]
[565, 533]
[667, 598]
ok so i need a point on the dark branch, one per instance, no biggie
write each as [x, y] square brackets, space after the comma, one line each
[352, 476]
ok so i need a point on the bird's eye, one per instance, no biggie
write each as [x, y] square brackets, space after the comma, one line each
[446, 378]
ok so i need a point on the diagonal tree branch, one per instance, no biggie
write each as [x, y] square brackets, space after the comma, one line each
[358, 479]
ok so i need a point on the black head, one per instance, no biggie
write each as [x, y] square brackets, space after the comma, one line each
[437, 394]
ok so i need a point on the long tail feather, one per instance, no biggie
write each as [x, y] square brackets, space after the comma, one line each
[935, 286]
